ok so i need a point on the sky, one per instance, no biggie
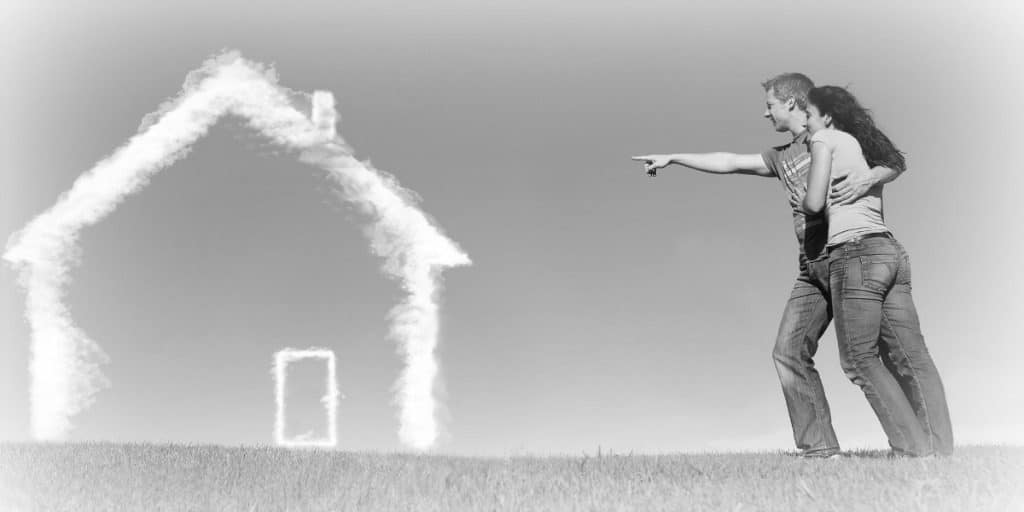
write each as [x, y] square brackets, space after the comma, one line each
[603, 308]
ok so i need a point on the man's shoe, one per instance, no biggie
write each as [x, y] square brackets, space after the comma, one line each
[821, 454]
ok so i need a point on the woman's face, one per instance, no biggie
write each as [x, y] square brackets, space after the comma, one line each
[816, 121]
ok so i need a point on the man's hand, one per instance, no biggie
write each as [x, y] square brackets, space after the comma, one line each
[653, 162]
[852, 185]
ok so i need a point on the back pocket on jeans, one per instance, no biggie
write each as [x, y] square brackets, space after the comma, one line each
[878, 272]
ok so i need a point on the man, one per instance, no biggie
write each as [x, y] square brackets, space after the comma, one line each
[808, 311]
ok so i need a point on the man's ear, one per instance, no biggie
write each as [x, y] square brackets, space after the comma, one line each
[791, 104]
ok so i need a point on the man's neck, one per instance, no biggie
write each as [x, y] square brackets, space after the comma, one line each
[797, 130]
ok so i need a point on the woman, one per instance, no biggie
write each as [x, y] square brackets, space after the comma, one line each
[880, 342]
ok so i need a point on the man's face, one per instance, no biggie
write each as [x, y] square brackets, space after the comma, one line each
[780, 113]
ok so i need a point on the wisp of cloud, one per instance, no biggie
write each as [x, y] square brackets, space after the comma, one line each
[65, 362]
[330, 398]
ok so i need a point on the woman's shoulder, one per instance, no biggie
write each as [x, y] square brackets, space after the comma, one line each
[834, 137]
[826, 134]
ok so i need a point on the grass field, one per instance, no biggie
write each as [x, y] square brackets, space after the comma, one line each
[149, 477]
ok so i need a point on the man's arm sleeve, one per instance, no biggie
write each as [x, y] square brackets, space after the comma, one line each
[771, 159]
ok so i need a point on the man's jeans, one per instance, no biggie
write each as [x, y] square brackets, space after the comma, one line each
[881, 346]
[806, 317]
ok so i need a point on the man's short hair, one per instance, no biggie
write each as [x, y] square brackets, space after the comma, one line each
[790, 85]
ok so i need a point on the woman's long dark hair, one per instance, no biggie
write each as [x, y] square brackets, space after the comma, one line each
[849, 116]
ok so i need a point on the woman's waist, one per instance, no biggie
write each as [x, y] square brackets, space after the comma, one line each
[866, 210]
[848, 222]
[870, 243]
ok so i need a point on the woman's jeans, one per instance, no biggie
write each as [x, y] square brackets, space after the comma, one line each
[881, 347]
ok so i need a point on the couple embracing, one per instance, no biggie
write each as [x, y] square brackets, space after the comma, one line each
[851, 269]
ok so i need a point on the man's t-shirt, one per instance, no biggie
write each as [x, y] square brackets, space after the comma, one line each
[790, 163]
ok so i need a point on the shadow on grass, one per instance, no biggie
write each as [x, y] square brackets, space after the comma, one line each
[869, 454]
